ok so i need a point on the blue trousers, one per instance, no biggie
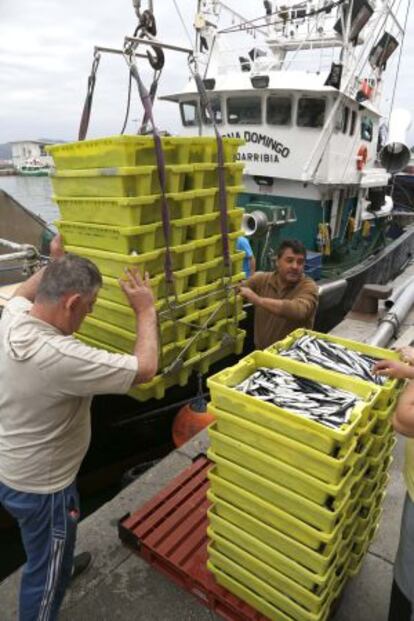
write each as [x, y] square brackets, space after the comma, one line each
[48, 524]
[404, 561]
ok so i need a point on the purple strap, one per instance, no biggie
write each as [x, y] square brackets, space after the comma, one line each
[221, 174]
[159, 154]
[87, 107]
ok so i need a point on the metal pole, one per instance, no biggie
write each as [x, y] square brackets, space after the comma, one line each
[155, 43]
[112, 50]
[389, 302]
[390, 324]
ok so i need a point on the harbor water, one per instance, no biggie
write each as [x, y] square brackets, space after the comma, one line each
[34, 193]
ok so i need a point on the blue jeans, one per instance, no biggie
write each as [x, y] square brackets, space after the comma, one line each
[404, 561]
[48, 524]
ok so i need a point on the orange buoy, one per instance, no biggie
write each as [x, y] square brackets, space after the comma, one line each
[190, 419]
[362, 157]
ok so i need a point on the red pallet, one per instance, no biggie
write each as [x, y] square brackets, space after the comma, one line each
[169, 532]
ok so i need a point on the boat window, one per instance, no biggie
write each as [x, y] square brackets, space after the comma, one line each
[244, 110]
[345, 119]
[367, 128]
[216, 108]
[311, 112]
[189, 113]
[279, 110]
[353, 123]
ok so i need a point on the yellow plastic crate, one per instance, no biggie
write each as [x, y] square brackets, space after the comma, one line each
[114, 264]
[284, 421]
[363, 523]
[311, 597]
[272, 515]
[118, 151]
[206, 175]
[212, 247]
[279, 472]
[389, 388]
[314, 582]
[112, 291]
[108, 316]
[207, 200]
[384, 416]
[195, 298]
[268, 592]
[213, 270]
[129, 211]
[118, 211]
[328, 468]
[220, 351]
[371, 488]
[138, 239]
[360, 548]
[156, 388]
[204, 149]
[217, 331]
[319, 516]
[102, 330]
[376, 461]
[125, 240]
[318, 561]
[139, 150]
[380, 439]
[121, 181]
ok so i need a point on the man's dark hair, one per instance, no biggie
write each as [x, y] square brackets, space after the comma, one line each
[69, 274]
[294, 244]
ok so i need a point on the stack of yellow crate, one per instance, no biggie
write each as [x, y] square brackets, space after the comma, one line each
[109, 197]
[294, 503]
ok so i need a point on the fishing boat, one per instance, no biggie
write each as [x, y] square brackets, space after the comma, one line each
[304, 93]
[301, 85]
[34, 168]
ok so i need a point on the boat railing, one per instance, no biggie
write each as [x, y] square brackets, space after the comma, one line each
[27, 254]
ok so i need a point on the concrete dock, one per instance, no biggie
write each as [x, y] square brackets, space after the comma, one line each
[120, 586]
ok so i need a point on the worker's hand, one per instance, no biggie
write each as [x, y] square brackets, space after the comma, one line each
[137, 291]
[407, 354]
[393, 369]
[57, 249]
[249, 295]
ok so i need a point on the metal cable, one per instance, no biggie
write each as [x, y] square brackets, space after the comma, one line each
[183, 23]
[128, 104]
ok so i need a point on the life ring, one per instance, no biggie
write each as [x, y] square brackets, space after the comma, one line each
[362, 157]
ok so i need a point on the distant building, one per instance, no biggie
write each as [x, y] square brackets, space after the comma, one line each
[27, 151]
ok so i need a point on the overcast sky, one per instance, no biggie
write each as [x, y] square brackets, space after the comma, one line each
[46, 52]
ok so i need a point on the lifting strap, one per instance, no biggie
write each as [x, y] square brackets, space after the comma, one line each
[87, 107]
[159, 154]
[220, 170]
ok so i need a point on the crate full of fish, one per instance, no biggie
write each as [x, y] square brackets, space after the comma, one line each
[340, 355]
[319, 408]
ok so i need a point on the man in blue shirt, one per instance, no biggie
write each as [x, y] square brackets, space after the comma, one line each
[249, 262]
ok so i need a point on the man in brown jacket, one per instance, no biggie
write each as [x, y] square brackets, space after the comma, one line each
[285, 299]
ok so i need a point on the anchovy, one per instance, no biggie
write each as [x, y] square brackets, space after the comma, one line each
[334, 357]
[315, 401]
